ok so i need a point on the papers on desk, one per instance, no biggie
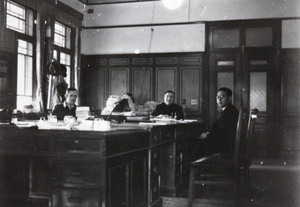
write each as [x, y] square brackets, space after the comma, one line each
[26, 124]
[153, 123]
[46, 125]
[187, 121]
[164, 120]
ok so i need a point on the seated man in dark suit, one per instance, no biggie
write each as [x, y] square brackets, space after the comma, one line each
[168, 107]
[68, 107]
[221, 136]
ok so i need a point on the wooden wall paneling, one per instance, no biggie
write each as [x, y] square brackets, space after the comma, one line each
[166, 79]
[190, 87]
[146, 76]
[290, 101]
[118, 81]
[99, 81]
[191, 84]
[166, 70]
[142, 79]
[94, 86]
[291, 92]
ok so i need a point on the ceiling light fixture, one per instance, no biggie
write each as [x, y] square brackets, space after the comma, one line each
[172, 4]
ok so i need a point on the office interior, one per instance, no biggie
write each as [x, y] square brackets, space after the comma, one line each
[146, 47]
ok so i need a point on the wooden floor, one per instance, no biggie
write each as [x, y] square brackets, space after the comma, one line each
[273, 183]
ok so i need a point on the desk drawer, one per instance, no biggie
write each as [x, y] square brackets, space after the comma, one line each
[62, 197]
[74, 173]
[76, 146]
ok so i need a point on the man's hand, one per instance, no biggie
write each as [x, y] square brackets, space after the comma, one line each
[204, 135]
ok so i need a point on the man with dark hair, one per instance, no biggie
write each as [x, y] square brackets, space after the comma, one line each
[68, 107]
[221, 136]
[168, 107]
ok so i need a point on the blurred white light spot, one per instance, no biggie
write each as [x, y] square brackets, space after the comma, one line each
[136, 51]
[172, 4]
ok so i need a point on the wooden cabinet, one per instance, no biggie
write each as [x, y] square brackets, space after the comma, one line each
[146, 76]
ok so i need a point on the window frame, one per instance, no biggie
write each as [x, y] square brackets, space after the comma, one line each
[30, 38]
[68, 51]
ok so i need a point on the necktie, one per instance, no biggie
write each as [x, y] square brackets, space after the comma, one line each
[220, 113]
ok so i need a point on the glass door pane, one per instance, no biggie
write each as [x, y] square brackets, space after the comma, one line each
[258, 90]
[259, 37]
[226, 38]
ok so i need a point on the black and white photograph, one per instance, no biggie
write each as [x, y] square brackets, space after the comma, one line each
[149, 103]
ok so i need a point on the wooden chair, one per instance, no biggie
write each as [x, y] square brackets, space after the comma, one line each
[245, 156]
[221, 170]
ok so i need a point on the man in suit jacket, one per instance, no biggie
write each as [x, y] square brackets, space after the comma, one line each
[221, 136]
[68, 107]
[168, 107]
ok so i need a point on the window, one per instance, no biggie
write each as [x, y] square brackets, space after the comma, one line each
[63, 48]
[62, 35]
[24, 74]
[19, 18]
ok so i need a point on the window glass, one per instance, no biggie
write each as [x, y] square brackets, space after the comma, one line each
[19, 18]
[59, 34]
[259, 37]
[258, 90]
[65, 59]
[63, 48]
[225, 79]
[24, 74]
[226, 38]
[15, 17]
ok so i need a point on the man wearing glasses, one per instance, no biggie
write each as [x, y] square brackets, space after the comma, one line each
[221, 136]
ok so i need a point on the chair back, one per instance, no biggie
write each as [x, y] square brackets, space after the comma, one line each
[249, 135]
[242, 119]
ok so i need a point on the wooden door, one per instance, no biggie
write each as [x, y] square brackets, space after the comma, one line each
[243, 58]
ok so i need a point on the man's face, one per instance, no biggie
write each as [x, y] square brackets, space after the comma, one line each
[71, 97]
[222, 99]
[169, 98]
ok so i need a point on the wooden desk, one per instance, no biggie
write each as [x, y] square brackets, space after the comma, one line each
[127, 166]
